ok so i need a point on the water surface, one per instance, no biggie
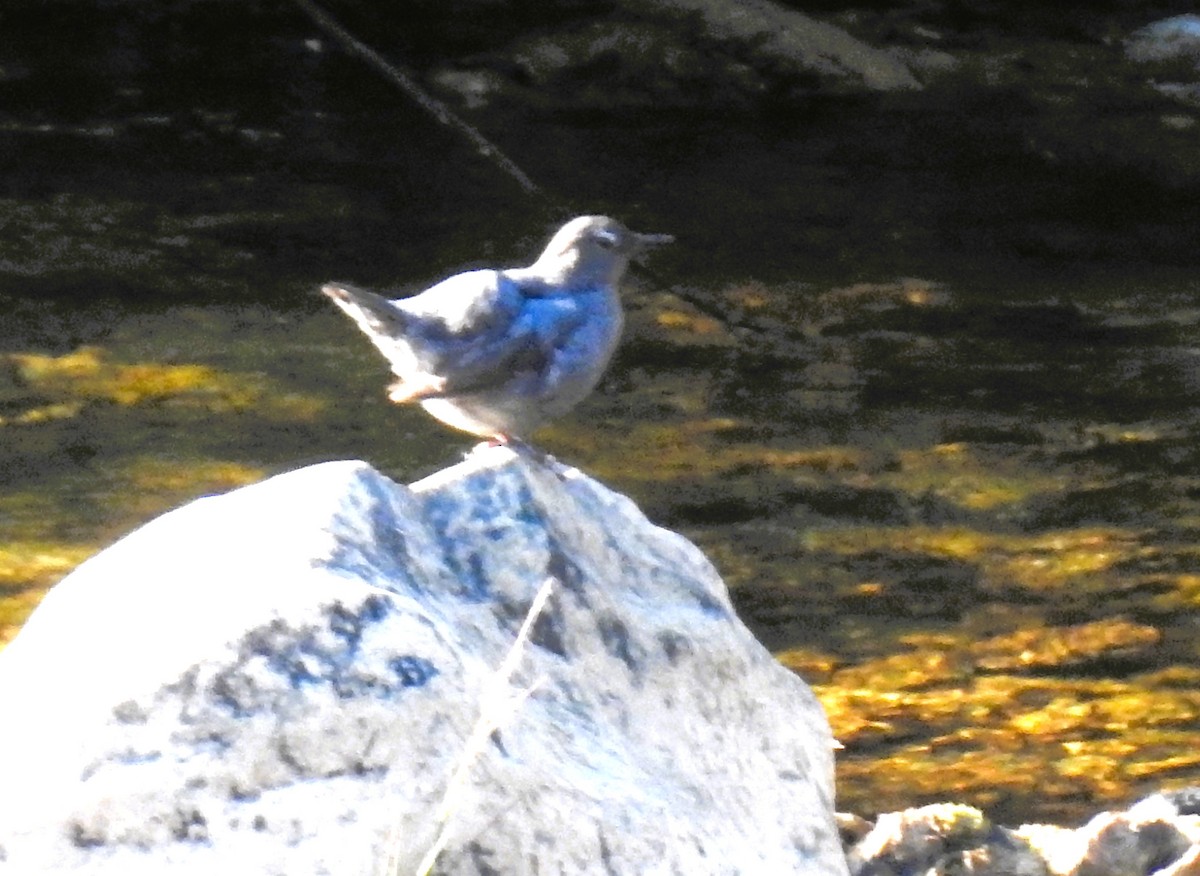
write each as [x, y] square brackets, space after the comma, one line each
[954, 488]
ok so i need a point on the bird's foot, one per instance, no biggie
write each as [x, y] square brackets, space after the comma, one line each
[521, 448]
[533, 454]
[492, 443]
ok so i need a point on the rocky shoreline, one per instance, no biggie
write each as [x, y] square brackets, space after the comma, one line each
[1157, 836]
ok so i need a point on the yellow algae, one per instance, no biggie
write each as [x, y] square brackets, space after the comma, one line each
[1184, 589]
[807, 663]
[915, 774]
[27, 570]
[293, 405]
[958, 543]
[1187, 677]
[1062, 715]
[1057, 646]
[960, 473]
[1140, 707]
[922, 296]
[750, 296]
[1187, 758]
[693, 447]
[15, 609]
[43, 414]
[822, 459]
[693, 323]
[984, 738]
[89, 374]
[957, 448]
[911, 290]
[1054, 560]
[939, 693]
[1096, 769]
[38, 564]
[911, 670]
[149, 486]
[188, 477]
[984, 777]
[1040, 562]
[862, 716]
[955, 543]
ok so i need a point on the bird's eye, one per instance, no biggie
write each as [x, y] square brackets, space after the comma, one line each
[606, 239]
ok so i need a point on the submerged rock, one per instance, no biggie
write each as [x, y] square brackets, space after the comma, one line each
[771, 33]
[1166, 40]
[1170, 47]
[682, 53]
[283, 679]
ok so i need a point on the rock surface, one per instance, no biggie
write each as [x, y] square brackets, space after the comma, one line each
[283, 678]
[670, 52]
[1158, 836]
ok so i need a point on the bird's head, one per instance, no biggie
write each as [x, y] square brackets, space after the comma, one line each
[592, 250]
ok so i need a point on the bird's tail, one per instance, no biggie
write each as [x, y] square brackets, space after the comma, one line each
[373, 313]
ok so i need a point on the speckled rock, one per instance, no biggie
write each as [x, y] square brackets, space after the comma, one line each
[941, 838]
[1158, 836]
[1153, 834]
[283, 679]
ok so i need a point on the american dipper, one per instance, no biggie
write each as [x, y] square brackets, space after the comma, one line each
[498, 352]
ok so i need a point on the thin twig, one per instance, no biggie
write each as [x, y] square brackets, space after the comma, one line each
[408, 84]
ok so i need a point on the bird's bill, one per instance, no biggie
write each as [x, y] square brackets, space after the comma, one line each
[644, 240]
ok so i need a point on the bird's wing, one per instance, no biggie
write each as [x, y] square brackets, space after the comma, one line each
[416, 334]
[464, 305]
[468, 333]
[527, 345]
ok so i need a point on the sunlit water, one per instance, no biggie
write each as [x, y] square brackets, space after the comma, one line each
[964, 506]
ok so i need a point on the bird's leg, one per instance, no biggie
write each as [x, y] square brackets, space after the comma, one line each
[523, 448]
[519, 446]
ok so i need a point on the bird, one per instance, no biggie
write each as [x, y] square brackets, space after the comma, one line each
[496, 353]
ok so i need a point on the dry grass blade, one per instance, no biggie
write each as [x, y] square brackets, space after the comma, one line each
[497, 706]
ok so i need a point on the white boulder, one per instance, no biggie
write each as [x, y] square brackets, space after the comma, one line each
[283, 679]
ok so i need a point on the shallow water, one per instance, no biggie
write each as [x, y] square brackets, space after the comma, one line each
[978, 542]
[963, 505]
